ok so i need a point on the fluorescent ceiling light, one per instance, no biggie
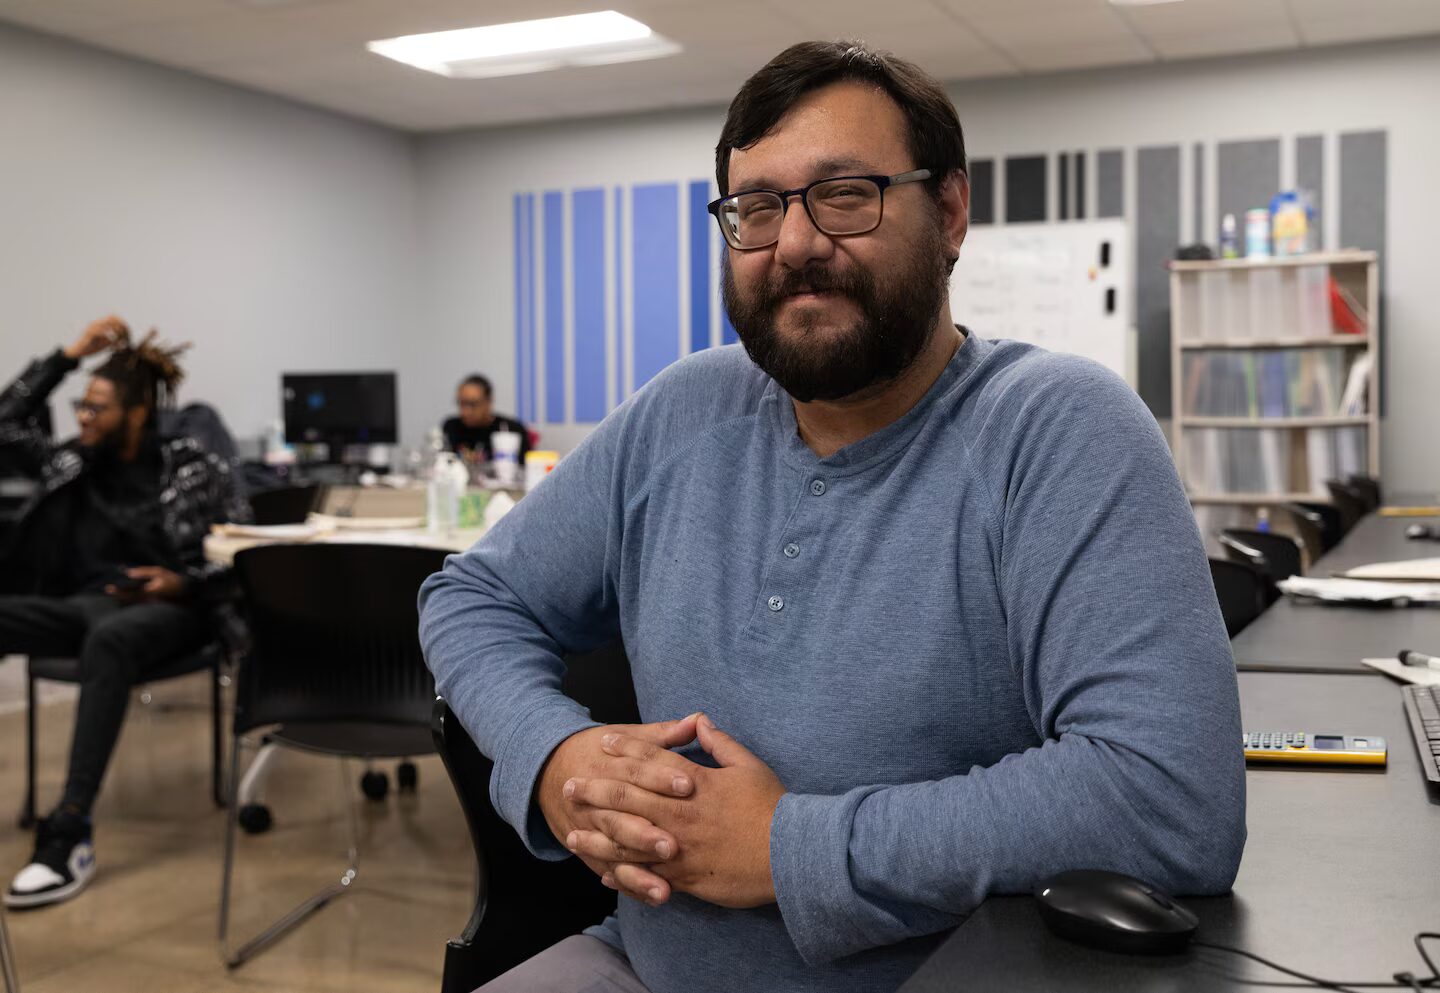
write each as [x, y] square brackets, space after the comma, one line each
[600, 38]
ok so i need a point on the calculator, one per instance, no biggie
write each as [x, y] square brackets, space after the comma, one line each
[1313, 749]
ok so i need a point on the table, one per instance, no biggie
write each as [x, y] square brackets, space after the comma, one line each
[222, 548]
[1339, 872]
[1294, 636]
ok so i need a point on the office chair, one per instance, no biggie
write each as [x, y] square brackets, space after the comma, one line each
[1277, 555]
[67, 670]
[285, 504]
[7, 958]
[523, 904]
[1240, 589]
[1323, 516]
[1348, 501]
[1368, 489]
[334, 668]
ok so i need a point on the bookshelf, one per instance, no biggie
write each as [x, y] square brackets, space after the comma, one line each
[1276, 375]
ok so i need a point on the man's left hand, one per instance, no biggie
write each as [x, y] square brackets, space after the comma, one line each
[722, 829]
[159, 584]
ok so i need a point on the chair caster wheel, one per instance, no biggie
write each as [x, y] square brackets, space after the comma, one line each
[255, 818]
[407, 777]
[375, 785]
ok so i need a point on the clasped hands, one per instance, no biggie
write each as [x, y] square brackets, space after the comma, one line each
[650, 822]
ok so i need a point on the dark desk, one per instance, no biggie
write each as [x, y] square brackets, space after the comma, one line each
[1305, 637]
[1339, 872]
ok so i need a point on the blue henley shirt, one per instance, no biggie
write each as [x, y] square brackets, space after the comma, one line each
[978, 647]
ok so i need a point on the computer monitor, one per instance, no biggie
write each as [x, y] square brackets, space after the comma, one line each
[339, 409]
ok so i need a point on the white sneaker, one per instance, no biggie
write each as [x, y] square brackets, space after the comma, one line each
[63, 863]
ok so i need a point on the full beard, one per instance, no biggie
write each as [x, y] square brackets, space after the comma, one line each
[810, 363]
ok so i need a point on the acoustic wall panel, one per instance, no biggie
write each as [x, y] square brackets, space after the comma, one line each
[554, 351]
[1110, 183]
[1157, 233]
[587, 265]
[1310, 175]
[1247, 175]
[655, 280]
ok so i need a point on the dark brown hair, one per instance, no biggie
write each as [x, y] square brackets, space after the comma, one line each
[934, 136]
[145, 375]
[475, 379]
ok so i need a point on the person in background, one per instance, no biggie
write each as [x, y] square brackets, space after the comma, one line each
[928, 613]
[110, 558]
[469, 434]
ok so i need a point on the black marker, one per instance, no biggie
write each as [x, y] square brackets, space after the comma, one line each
[1419, 659]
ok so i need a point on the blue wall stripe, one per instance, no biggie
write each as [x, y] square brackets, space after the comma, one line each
[587, 266]
[532, 367]
[727, 330]
[555, 307]
[655, 282]
[519, 309]
[527, 215]
[699, 265]
[619, 295]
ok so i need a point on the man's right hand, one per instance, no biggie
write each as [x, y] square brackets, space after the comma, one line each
[108, 332]
[661, 772]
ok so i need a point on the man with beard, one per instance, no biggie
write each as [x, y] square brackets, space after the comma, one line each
[110, 555]
[935, 606]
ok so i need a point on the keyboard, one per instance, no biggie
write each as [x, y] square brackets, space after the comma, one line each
[1422, 706]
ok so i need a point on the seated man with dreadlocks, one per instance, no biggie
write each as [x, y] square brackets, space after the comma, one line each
[110, 555]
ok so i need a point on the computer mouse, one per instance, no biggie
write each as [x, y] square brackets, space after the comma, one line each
[1115, 912]
[1419, 531]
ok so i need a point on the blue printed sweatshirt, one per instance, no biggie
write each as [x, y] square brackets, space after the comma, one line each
[978, 647]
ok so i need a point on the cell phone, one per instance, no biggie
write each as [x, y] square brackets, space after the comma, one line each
[1313, 749]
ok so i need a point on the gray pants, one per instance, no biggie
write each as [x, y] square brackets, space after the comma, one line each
[580, 964]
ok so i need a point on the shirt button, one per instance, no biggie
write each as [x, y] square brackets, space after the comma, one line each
[792, 550]
[776, 603]
[817, 487]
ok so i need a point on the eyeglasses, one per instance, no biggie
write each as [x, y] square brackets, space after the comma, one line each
[841, 205]
[84, 408]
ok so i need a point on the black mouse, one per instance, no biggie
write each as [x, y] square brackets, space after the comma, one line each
[1419, 531]
[1115, 912]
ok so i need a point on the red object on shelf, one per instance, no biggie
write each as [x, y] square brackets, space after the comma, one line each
[1343, 312]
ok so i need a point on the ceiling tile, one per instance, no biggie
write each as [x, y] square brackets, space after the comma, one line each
[1054, 58]
[1172, 19]
[1234, 41]
[1091, 27]
[1324, 26]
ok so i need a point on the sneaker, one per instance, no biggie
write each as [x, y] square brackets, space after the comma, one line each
[63, 863]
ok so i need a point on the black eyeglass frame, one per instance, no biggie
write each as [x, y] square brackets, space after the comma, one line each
[84, 408]
[803, 192]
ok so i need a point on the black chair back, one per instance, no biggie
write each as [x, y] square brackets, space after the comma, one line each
[1323, 516]
[334, 631]
[285, 505]
[524, 905]
[1347, 500]
[1240, 588]
[1368, 489]
[1279, 555]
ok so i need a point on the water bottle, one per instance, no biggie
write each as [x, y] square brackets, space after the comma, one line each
[442, 496]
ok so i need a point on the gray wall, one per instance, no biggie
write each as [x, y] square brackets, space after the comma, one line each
[466, 181]
[272, 236]
[277, 237]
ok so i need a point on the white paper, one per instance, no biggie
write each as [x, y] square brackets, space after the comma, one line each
[1423, 675]
[1425, 569]
[1360, 590]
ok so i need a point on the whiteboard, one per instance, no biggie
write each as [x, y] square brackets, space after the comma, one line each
[1066, 287]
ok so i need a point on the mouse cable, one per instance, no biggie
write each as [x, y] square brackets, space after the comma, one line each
[1404, 980]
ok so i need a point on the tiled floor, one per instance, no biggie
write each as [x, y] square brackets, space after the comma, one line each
[150, 918]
